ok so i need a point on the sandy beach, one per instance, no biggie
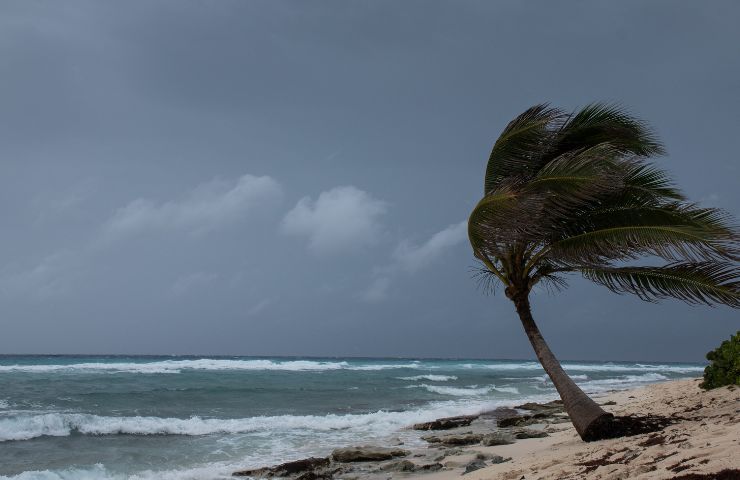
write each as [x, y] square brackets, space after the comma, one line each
[703, 442]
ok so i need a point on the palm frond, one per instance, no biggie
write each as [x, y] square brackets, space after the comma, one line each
[646, 183]
[488, 225]
[673, 231]
[705, 282]
[520, 146]
[608, 123]
[576, 177]
[485, 279]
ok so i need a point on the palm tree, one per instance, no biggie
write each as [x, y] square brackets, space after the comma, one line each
[575, 193]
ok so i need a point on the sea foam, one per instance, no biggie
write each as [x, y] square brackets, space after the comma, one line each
[471, 391]
[215, 364]
[25, 427]
[431, 378]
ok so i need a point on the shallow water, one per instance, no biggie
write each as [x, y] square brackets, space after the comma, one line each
[73, 417]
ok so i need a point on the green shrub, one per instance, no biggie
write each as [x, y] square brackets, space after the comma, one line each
[725, 366]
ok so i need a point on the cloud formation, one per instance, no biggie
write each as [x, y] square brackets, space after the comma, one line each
[409, 258]
[413, 257]
[340, 219]
[48, 278]
[206, 207]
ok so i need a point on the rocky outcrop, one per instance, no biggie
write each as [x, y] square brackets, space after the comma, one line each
[366, 454]
[455, 439]
[493, 439]
[529, 433]
[496, 459]
[408, 466]
[521, 420]
[288, 469]
[446, 423]
[556, 406]
[474, 465]
[399, 466]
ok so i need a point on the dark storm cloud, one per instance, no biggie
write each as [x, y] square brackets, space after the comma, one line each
[273, 177]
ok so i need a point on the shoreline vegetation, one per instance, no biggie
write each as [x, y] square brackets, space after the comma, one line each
[697, 437]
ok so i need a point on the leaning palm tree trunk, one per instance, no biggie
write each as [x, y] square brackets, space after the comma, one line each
[587, 417]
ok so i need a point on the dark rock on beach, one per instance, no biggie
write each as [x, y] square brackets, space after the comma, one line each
[366, 454]
[398, 466]
[429, 467]
[556, 406]
[493, 439]
[455, 439]
[514, 421]
[446, 423]
[305, 465]
[408, 466]
[474, 465]
[528, 433]
[496, 459]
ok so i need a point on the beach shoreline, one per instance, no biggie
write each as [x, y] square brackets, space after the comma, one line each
[701, 442]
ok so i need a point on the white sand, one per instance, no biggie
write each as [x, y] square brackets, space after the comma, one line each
[706, 440]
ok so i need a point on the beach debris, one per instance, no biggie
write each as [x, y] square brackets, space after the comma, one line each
[446, 423]
[366, 453]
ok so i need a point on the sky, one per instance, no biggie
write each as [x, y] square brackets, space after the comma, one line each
[293, 178]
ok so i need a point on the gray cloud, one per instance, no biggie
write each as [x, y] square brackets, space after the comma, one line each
[413, 257]
[46, 279]
[340, 220]
[410, 258]
[205, 207]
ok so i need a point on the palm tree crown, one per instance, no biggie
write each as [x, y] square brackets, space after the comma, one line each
[576, 193]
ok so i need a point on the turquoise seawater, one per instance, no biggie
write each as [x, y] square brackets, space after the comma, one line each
[74, 417]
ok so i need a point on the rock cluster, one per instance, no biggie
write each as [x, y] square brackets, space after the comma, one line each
[497, 427]
[446, 423]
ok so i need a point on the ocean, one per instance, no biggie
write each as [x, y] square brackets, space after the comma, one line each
[136, 418]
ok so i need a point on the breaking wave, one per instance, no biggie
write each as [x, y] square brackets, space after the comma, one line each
[431, 378]
[471, 391]
[215, 364]
[177, 366]
[26, 427]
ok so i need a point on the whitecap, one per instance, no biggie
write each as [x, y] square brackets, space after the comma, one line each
[27, 426]
[431, 378]
[470, 391]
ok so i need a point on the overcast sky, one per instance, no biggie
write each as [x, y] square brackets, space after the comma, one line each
[292, 178]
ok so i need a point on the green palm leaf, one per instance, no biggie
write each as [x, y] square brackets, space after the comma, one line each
[608, 123]
[671, 231]
[706, 282]
[518, 150]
